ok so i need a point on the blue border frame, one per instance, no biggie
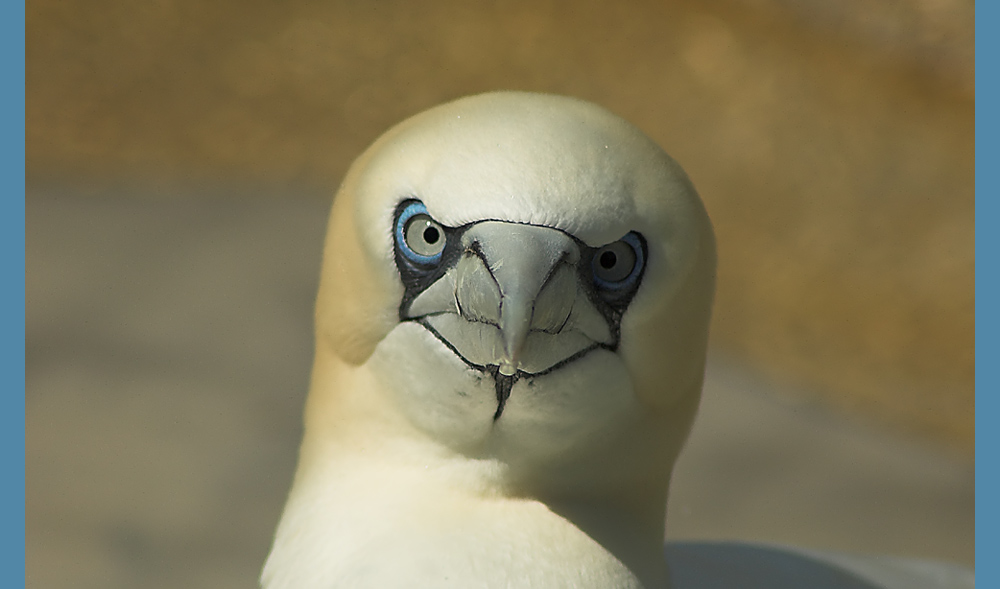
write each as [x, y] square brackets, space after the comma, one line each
[986, 293]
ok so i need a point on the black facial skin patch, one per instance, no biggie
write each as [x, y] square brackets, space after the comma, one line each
[418, 277]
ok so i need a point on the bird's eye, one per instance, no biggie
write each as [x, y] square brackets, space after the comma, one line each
[420, 238]
[617, 265]
[423, 236]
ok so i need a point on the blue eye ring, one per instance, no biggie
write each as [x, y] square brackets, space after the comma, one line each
[415, 211]
[605, 278]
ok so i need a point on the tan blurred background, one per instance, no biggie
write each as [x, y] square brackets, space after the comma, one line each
[832, 141]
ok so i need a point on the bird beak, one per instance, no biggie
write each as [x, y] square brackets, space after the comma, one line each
[513, 300]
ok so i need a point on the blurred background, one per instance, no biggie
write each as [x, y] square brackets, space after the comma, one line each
[181, 157]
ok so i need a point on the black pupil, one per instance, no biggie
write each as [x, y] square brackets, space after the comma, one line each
[608, 260]
[431, 235]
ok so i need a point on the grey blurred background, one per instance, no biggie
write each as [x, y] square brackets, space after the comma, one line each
[181, 157]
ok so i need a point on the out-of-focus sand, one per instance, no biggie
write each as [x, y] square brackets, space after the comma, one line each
[832, 142]
[169, 343]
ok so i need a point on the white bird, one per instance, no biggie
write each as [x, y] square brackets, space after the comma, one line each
[511, 332]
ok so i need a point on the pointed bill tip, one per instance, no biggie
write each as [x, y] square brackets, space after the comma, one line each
[508, 368]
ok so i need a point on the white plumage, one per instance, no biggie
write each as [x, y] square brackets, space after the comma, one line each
[510, 345]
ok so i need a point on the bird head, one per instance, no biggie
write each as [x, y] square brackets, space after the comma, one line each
[520, 280]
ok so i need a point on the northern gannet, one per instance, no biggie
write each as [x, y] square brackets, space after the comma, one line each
[511, 332]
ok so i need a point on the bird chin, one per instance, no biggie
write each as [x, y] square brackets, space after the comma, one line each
[480, 345]
[549, 417]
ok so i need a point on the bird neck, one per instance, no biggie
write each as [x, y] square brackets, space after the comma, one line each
[355, 437]
[630, 530]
